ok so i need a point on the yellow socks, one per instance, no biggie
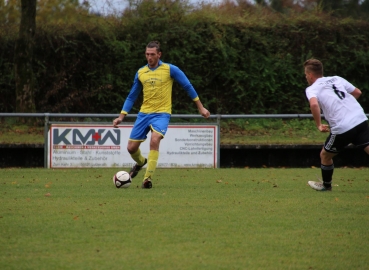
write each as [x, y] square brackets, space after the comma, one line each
[152, 161]
[138, 157]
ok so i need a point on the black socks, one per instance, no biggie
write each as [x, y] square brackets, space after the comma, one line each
[327, 173]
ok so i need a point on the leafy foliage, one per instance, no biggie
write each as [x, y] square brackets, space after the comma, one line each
[240, 58]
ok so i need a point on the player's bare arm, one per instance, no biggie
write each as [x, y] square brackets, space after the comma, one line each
[203, 111]
[315, 110]
[118, 120]
[356, 93]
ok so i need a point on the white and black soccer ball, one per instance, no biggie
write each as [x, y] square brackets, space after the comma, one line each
[122, 179]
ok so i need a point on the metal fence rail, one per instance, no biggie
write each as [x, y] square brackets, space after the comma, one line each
[217, 117]
[96, 115]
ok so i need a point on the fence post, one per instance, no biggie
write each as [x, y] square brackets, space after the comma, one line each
[46, 131]
[218, 119]
[219, 116]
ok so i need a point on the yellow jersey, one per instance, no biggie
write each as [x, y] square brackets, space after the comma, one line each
[156, 85]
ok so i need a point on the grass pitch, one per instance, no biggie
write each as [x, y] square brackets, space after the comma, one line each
[190, 219]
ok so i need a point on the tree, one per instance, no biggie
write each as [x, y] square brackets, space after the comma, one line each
[24, 78]
[365, 6]
[261, 2]
[9, 12]
[344, 8]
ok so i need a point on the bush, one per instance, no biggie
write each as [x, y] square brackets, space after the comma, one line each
[247, 63]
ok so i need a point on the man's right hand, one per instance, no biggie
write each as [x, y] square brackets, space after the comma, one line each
[117, 121]
[323, 128]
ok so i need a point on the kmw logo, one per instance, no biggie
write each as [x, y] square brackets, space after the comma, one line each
[90, 138]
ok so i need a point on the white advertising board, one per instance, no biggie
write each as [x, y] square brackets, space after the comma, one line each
[89, 146]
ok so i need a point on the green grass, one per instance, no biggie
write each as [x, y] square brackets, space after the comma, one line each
[232, 131]
[15, 134]
[270, 131]
[191, 219]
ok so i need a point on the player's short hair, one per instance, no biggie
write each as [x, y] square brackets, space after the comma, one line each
[314, 66]
[154, 44]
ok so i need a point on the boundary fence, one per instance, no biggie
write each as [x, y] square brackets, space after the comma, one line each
[48, 117]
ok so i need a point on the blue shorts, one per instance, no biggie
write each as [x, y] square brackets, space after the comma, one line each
[156, 122]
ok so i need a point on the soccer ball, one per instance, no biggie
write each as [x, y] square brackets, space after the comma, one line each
[122, 179]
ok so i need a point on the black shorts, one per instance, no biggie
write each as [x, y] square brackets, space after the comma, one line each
[358, 136]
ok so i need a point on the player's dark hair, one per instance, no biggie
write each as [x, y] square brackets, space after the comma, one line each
[314, 66]
[154, 44]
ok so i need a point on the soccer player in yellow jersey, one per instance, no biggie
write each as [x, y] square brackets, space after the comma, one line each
[155, 80]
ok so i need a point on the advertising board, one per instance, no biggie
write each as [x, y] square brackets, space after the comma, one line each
[89, 146]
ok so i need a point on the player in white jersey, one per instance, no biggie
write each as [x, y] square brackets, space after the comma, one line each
[347, 122]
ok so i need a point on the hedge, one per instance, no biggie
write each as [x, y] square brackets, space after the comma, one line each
[237, 67]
